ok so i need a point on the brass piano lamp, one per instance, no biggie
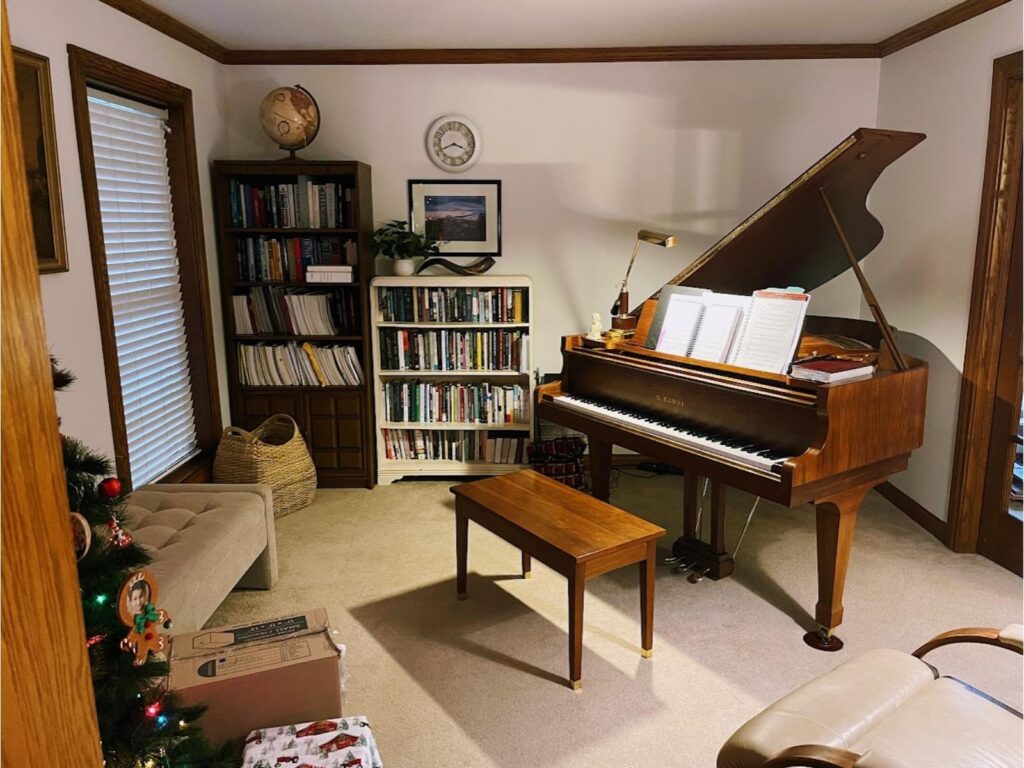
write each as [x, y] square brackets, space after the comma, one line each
[621, 319]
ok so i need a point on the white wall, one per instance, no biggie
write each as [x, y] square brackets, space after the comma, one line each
[46, 27]
[587, 154]
[929, 202]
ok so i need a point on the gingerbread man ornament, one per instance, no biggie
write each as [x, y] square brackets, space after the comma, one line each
[136, 607]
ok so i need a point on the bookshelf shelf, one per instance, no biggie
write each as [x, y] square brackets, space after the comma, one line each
[337, 422]
[291, 231]
[448, 301]
[454, 425]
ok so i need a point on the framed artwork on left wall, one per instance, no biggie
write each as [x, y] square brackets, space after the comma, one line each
[39, 144]
[464, 215]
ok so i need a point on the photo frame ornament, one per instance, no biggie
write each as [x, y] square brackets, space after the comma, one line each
[136, 607]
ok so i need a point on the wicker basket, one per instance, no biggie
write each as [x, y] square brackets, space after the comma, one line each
[273, 454]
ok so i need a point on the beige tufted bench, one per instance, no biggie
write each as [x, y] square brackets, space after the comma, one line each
[205, 540]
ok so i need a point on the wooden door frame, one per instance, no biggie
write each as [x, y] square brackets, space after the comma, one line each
[46, 680]
[988, 305]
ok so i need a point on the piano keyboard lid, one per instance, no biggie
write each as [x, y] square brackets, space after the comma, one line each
[791, 240]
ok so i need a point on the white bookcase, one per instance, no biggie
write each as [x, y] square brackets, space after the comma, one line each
[390, 468]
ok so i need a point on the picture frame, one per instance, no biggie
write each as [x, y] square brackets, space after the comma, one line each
[39, 147]
[464, 215]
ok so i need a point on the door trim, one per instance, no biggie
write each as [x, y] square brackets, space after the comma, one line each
[988, 304]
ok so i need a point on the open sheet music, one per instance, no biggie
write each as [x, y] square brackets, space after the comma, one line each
[760, 331]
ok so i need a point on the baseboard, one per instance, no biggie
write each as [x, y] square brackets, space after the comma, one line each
[913, 510]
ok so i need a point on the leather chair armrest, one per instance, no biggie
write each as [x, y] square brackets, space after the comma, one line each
[813, 756]
[1009, 637]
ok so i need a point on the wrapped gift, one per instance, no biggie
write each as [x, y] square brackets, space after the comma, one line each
[343, 742]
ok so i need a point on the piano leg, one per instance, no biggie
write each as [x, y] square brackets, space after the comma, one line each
[600, 467]
[836, 518]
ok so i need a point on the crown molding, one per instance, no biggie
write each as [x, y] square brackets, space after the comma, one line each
[940, 22]
[162, 22]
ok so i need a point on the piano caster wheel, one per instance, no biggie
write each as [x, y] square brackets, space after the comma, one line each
[696, 578]
[823, 640]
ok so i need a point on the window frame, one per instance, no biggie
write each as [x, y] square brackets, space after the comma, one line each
[89, 69]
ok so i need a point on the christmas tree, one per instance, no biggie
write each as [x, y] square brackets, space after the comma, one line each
[141, 723]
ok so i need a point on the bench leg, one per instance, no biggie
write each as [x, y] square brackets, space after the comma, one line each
[647, 601]
[526, 566]
[461, 551]
[577, 582]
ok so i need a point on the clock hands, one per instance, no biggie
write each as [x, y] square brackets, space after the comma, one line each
[453, 144]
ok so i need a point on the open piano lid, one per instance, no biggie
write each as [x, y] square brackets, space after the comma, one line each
[790, 240]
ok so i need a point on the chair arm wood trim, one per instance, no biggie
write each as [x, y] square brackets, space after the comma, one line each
[984, 635]
[813, 756]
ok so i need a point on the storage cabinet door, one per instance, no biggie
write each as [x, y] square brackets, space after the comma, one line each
[336, 433]
[253, 409]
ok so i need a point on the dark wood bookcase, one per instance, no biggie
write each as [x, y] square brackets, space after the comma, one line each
[336, 421]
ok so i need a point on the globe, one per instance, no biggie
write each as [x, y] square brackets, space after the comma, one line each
[290, 117]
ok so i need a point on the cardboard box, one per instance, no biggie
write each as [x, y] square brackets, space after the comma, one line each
[267, 673]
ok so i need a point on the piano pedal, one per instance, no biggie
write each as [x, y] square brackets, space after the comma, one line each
[682, 567]
[698, 576]
[672, 559]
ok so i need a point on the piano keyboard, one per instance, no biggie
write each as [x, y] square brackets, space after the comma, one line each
[737, 449]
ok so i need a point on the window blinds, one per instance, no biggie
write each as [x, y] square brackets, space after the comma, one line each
[129, 147]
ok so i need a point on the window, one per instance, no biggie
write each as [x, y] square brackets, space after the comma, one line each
[140, 180]
[134, 187]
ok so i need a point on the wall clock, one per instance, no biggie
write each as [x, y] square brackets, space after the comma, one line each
[453, 143]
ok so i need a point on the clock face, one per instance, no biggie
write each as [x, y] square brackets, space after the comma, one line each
[453, 143]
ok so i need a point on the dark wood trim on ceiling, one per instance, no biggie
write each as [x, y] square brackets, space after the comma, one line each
[170, 26]
[153, 17]
[913, 510]
[555, 55]
[940, 22]
[988, 304]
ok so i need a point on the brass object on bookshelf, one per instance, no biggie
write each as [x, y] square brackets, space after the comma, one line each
[621, 319]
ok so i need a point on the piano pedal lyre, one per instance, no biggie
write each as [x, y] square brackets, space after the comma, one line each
[702, 559]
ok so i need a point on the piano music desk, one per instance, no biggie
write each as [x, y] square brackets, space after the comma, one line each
[569, 531]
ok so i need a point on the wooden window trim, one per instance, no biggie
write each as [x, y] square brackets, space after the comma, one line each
[988, 305]
[91, 69]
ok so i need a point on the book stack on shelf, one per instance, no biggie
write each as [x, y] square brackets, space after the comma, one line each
[295, 242]
[452, 375]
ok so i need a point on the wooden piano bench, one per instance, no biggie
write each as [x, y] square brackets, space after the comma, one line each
[572, 533]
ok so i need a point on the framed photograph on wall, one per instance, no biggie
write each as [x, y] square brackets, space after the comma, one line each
[39, 146]
[464, 215]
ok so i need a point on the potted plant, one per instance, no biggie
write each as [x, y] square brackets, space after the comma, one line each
[395, 241]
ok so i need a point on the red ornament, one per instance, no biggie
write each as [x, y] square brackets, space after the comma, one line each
[110, 487]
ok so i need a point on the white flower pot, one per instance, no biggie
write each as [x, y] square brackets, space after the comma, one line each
[404, 267]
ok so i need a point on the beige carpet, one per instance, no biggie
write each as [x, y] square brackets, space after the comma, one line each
[482, 682]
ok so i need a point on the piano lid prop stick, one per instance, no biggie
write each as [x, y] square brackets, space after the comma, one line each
[869, 295]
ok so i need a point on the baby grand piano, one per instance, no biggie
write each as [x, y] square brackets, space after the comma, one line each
[779, 438]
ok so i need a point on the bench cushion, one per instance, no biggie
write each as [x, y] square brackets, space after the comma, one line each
[201, 544]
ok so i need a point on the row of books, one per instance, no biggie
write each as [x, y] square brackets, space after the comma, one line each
[302, 204]
[291, 365]
[266, 258]
[453, 305]
[273, 310]
[451, 350]
[471, 403]
[453, 445]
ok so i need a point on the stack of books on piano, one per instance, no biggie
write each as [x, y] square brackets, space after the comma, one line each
[289, 365]
[273, 310]
[415, 349]
[452, 305]
[465, 402]
[452, 445]
[828, 370]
